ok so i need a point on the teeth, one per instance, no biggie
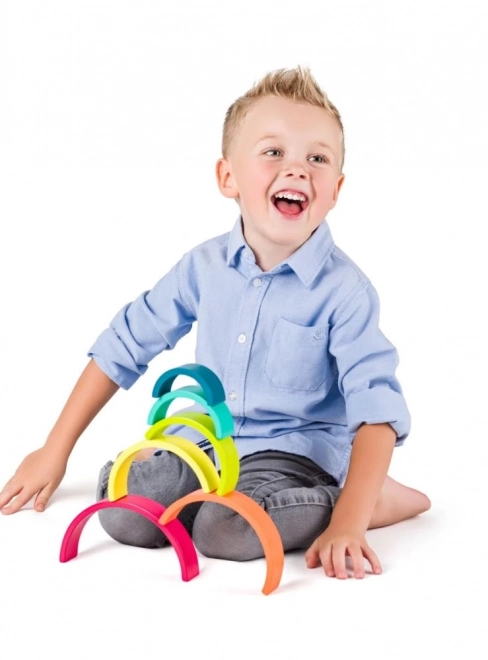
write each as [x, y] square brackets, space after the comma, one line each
[293, 196]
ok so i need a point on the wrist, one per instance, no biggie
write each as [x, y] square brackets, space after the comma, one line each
[354, 508]
[59, 446]
[350, 524]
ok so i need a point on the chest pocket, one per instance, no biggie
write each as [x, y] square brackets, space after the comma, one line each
[297, 357]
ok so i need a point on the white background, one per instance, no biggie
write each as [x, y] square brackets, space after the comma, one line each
[110, 127]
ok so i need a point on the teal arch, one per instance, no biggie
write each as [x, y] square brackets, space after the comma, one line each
[213, 390]
[219, 414]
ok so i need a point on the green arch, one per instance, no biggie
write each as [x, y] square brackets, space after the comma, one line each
[224, 448]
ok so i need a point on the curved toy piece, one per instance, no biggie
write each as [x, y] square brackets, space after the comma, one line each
[225, 448]
[213, 391]
[255, 516]
[176, 533]
[196, 458]
[220, 413]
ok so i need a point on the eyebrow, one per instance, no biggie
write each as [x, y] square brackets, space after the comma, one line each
[274, 137]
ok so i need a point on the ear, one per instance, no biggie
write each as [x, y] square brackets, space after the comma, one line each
[225, 179]
[338, 187]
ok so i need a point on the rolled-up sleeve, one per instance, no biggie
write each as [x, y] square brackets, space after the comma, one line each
[152, 323]
[366, 363]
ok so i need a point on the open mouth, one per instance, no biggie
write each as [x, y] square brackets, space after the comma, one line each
[290, 203]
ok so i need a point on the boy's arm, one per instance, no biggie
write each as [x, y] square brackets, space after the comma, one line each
[370, 458]
[90, 394]
[42, 471]
[377, 419]
[154, 322]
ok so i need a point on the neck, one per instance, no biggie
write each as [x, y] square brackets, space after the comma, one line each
[267, 257]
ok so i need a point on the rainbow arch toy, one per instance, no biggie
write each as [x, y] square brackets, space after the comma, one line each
[217, 426]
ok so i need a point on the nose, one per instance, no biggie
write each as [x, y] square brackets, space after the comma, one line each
[295, 169]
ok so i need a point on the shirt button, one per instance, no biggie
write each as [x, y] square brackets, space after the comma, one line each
[241, 338]
[257, 282]
[232, 395]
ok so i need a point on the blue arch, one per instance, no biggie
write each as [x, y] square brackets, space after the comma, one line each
[213, 390]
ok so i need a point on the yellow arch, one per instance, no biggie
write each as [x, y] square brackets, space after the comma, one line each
[257, 517]
[224, 448]
[196, 458]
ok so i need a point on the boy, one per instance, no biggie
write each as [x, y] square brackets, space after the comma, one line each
[290, 326]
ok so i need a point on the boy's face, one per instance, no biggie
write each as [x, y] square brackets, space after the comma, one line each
[282, 147]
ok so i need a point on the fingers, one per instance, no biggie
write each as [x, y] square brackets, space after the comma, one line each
[333, 555]
[21, 495]
[327, 562]
[357, 553]
[14, 496]
[318, 555]
[357, 561]
[373, 559]
[339, 560]
[5, 495]
[43, 497]
[9, 491]
[312, 557]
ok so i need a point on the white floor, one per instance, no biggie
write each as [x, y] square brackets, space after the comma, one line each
[113, 599]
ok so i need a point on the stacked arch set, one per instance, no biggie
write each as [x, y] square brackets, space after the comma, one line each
[218, 427]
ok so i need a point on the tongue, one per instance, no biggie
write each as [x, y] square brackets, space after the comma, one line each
[289, 208]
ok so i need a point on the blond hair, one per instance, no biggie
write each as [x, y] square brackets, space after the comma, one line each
[295, 84]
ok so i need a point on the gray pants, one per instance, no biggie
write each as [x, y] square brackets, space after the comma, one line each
[297, 494]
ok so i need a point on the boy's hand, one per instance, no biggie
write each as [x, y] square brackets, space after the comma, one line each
[331, 548]
[40, 472]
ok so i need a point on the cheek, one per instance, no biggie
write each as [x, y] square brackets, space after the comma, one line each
[326, 190]
[255, 180]
[258, 181]
[265, 175]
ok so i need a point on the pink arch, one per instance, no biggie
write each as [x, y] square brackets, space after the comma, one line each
[174, 530]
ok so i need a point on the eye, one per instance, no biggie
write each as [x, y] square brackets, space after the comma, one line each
[268, 151]
[322, 159]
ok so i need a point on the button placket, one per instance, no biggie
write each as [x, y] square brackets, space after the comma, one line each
[239, 357]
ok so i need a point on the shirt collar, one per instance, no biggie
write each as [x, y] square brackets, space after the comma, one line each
[237, 242]
[306, 262]
[312, 255]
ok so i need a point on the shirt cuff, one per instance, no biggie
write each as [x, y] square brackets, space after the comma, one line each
[379, 405]
[122, 375]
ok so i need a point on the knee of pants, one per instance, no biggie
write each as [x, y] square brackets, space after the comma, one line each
[131, 528]
[221, 533]
[124, 526]
[163, 479]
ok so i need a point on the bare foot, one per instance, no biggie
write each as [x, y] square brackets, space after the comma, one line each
[397, 502]
[144, 454]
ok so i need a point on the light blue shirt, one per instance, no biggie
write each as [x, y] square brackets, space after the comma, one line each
[298, 348]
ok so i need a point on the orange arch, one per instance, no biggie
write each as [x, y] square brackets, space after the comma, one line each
[255, 516]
